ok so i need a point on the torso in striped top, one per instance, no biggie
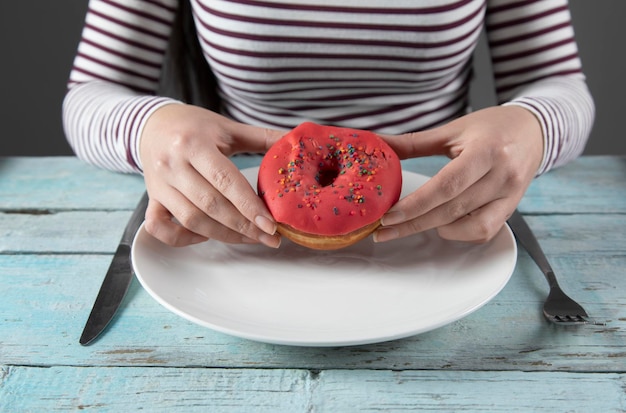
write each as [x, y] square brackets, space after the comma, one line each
[388, 66]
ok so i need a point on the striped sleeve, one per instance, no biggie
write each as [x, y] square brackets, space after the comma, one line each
[536, 66]
[114, 78]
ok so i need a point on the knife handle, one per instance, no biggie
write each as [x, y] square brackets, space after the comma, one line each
[527, 239]
[135, 220]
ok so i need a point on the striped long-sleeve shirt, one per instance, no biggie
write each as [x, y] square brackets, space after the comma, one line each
[387, 66]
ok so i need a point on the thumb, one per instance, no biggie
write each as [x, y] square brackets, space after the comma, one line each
[422, 143]
[254, 138]
[271, 136]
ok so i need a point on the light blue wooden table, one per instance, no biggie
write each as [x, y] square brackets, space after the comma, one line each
[60, 221]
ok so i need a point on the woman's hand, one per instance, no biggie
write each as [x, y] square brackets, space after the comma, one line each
[495, 154]
[196, 192]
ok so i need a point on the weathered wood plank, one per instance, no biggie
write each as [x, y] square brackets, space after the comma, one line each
[53, 183]
[62, 389]
[386, 391]
[62, 231]
[46, 300]
[31, 389]
[67, 183]
[594, 184]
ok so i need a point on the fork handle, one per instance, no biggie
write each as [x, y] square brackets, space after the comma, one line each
[527, 239]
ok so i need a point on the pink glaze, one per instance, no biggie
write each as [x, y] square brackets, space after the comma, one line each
[328, 180]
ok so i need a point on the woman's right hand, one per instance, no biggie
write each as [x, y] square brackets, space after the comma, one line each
[196, 192]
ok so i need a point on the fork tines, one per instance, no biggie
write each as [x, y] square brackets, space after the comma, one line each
[569, 319]
[573, 320]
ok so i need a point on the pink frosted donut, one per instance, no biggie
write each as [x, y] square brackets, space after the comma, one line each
[327, 187]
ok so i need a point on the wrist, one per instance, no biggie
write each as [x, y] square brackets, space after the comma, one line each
[534, 129]
[151, 122]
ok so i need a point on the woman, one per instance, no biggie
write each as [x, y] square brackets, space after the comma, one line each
[401, 70]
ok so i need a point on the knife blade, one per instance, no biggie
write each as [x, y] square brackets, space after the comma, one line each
[117, 279]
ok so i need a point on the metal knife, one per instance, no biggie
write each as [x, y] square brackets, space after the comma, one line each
[117, 279]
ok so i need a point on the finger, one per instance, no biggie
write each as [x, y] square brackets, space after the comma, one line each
[480, 226]
[490, 187]
[179, 222]
[159, 224]
[224, 176]
[213, 207]
[451, 181]
[475, 197]
[253, 138]
[212, 203]
[423, 143]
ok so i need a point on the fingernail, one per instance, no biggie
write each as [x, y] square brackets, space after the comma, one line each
[272, 241]
[265, 224]
[386, 234]
[392, 218]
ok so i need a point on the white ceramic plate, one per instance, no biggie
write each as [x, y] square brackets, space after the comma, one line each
[362, 294]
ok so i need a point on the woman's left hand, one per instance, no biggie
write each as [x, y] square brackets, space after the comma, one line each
[495, 154]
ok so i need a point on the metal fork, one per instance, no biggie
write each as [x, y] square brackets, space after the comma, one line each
[559, 308]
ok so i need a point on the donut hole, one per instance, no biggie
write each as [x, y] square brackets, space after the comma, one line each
[326, 176]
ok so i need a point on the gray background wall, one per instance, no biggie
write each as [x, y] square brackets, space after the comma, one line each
[39, 38]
